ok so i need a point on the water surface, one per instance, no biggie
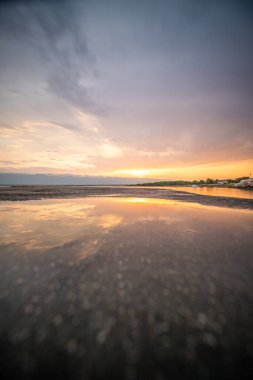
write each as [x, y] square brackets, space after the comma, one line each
[212, 191]
[125, 288]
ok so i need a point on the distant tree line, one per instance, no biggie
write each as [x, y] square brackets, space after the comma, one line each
[208, 181]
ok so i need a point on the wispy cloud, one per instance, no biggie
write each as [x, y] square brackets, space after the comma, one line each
[109, 87]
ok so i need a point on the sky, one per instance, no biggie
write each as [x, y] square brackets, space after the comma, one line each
[155, 89]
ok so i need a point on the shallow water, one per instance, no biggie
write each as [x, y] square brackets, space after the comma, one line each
[96, 287]
[45, 224]
[212, 191]
[217, 191]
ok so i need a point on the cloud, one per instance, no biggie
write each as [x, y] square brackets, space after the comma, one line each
[53, 35]
[176, 78]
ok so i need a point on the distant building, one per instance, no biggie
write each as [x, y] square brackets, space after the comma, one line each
[222, 182]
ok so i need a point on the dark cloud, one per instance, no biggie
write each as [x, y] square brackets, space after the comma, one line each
[64, 84]
[54, 30]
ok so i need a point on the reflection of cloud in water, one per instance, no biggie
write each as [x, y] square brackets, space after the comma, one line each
[121, 273]
[42, 225]
[47, 224]
[109, 221]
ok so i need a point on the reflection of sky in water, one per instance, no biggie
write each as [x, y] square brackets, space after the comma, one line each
[93, 277]
[212, 191]
[43, 225]
[47, 224]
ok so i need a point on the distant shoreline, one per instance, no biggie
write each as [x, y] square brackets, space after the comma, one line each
[203, 185]
[27, 193]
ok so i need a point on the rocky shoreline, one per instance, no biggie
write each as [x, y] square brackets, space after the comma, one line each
[245, 184]
[26, 193]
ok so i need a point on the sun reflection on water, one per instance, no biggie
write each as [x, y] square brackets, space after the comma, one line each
[43, 225]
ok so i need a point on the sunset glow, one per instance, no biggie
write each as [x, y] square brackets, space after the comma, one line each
[154, 90]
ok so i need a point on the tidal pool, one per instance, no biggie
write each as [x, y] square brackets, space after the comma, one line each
[125, 288]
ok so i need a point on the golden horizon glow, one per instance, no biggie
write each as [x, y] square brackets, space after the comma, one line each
[135, 172]
[34, 148]
[222, 170]
[169, 106]
[196, 172]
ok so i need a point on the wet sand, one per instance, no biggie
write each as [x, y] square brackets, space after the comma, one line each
[23, 193]
[125, 288]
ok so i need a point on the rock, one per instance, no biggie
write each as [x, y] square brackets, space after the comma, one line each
[245, 184]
